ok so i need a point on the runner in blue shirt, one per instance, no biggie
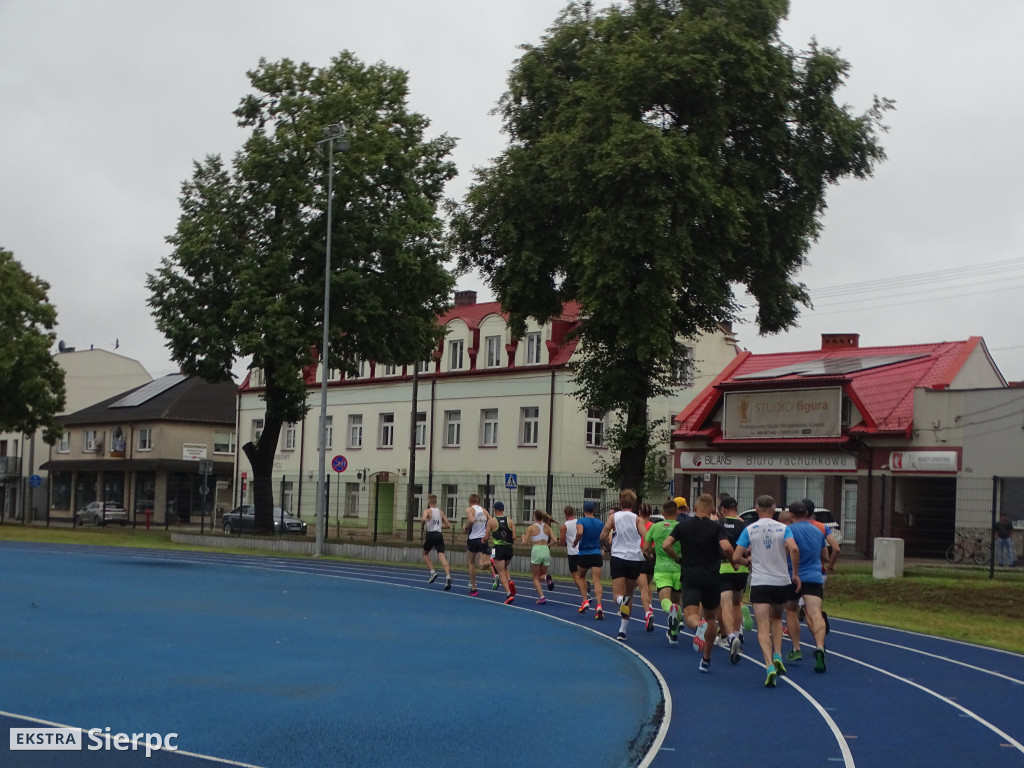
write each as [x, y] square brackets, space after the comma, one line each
[588, 539]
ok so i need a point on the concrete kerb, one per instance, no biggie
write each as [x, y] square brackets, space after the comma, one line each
[408, 554]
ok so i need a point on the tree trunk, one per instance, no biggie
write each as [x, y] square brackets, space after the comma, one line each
[261, 459]
[633, 454]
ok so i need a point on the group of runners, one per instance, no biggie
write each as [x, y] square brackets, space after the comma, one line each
[697, 563]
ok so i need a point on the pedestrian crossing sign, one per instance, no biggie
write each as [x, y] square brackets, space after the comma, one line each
[510, 482]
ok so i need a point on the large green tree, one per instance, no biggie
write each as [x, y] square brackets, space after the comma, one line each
[662, 154]
[31, 381]
[246, 273]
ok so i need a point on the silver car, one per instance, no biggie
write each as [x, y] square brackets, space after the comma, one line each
[244, 519]
[101, 513]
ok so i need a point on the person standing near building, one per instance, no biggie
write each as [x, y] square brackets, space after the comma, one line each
[434, 520]
[588, 540]
[1005, 552]
[539, 536]
[702, 542]
[567, 539]
[667, 571]
[763, 546]
[476, 544]
[503, 531]
[733, 580]
[624, 533]
[810, 540]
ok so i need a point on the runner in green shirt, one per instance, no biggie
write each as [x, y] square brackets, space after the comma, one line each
[667, 572]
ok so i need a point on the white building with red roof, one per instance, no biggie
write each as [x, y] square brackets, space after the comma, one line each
[495, 415]
[876, 435]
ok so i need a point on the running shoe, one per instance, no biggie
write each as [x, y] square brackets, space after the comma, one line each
[583, 607]
[794, 656]
[673, 620]
[650, 621]
[447, 585]
[512, 587]
[598, 613]
[672, 639]
[589, 588]
[785, 630]
[621, 636]
[509, 599]
[704, 666]
[542, 600]
[828, 627]
[800, 613]
[748, 622]
[779, 666]
[734, 650]
[550, 582]
[624, 606]
[698, 637]
[496, 582]
[769, 681]
[721, 642]
[433, 577]
[740, 636]
[473, 593]
[819, 659]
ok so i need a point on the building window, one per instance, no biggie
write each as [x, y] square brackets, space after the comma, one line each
[145, 441]
[529, 503]
[595, 495]
[288, 495]
[684, 369]
[423, 367]
[355, 430]
[64, 443]
[289, 437]
[351, 499]
[740, 487]
[493, 351]
[224, 442]
[451, 502]
[257, 430]
[421, 429]
[89, 441]
[533, 348]
[807, 487]
[529, 431]
[455, 355]
[489, 427]
[329, 432]
[387, 430]
[595, 428]
[452, 428]
[390, 370]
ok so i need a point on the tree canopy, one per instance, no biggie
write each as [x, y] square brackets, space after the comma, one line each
[246, 273]
[31, 381]
[662, 154]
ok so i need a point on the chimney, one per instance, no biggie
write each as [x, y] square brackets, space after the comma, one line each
[840, 341]
[465, 298]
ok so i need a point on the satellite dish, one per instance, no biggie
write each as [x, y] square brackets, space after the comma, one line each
[60, 345]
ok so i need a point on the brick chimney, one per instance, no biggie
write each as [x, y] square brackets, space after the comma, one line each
[465, 298]
[840, 341]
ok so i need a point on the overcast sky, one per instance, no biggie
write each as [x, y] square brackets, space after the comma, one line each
[104, 105]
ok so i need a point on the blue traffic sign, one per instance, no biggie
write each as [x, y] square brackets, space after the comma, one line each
[35, 481]
[510, 481]
[339, 463]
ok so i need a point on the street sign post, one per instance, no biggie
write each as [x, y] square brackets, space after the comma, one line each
[511, 483]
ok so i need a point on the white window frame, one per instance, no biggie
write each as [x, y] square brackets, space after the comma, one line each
[489, 428]
[423, 366]
[452, 428]
[451, 502]
[386, 433]
[493, 351]
[528, 495]
[219, 443]
[89, 440]
[597, 425]
[529, 426]
[144, 439]
[64, 443]
[329, 431]
[355, 430]
[456, 348]
[421, 429]
[257, 430]
[533, 348]
[390, 369]
[288, 438]
[685, 371]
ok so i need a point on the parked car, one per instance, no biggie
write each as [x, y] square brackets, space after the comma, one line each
[821, 514]
[243, 518]
[101, 513]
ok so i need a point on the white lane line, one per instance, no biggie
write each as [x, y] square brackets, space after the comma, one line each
[964, 664]
[136, 743]
[944, 699]
[844, 747]
[950, 640]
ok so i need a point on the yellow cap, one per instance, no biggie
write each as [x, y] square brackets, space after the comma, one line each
[680, 501]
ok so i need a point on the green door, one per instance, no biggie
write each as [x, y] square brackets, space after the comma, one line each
[384, 503]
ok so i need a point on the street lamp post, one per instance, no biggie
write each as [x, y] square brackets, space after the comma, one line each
[334, 138]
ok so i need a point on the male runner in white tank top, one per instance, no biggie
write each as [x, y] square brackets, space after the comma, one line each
[623, 533]
[476, 544]
[434, 520]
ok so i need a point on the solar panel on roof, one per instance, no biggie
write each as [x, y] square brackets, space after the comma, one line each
[830, 366]
[149, 391]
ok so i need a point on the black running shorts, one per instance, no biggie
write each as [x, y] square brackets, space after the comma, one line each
[434, 540]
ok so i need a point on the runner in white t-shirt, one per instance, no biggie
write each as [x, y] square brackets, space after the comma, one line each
[764, 546]
[623, 533]
[434, 520]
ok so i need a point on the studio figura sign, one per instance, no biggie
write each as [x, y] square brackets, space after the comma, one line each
[784, 413]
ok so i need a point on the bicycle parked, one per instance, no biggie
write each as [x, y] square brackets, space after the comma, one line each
[969, 549]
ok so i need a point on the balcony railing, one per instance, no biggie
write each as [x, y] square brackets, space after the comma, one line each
[10, 465]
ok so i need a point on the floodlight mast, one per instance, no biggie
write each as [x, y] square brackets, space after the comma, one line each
[334, 138]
